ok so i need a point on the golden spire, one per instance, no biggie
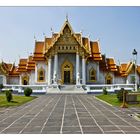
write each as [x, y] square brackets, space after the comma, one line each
[67, 17]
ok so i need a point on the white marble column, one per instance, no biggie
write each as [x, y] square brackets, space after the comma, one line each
[77, 70]
[55, 68]
[49, 70]
[36, 73]
[83, 71]
[20, 80]
[98, 72]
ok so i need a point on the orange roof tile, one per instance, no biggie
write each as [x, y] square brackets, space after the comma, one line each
[48, 41]
[14, 71]
[9, 69]
[39, 51]
[39, 47]
[23, 61]
[22, 65]
[3, 68]
[95, 47]
[95, 51]
[138, 69]
[111, 64]
[30, 63]
[123, 67]
[7, 66]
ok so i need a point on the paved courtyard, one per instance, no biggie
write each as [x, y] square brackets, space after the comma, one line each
[74, 114]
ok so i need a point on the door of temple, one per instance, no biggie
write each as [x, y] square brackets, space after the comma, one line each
[109, 81]
[66, 77]
[25, 82]
[67, 72]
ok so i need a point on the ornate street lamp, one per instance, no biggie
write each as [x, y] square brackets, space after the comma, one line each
[135, 62]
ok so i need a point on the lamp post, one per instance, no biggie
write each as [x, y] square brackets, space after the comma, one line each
[135, 62]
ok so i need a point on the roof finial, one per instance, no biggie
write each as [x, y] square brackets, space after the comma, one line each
[14, 62]
[43, 34]
[34, 37]
[119, 62]
[52, 30]
[89, 36]
[81, 31]
[67, 17]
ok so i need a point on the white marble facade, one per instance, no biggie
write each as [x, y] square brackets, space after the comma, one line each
[62, 57]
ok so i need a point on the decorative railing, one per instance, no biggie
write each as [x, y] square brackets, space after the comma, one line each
[109, 88]
[20, 88]
[88, 88]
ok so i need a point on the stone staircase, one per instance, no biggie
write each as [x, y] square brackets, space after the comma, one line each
[66, 89]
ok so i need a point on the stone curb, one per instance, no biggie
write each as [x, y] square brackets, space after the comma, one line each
[102, 101]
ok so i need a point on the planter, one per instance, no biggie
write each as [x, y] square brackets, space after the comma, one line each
[131, 99]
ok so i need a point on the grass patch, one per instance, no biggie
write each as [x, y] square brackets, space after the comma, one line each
[17, 100]
[113, 100]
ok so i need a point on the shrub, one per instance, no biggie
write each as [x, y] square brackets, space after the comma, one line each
[9, 96]
[27, 91]
[120, 94]
[105, 91]
[1, 86]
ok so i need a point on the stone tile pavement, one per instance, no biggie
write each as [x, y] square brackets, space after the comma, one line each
[68, 114]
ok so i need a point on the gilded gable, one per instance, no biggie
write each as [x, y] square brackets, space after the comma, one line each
[66, 38]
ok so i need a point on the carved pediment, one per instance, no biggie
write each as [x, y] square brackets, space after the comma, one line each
[66, 38]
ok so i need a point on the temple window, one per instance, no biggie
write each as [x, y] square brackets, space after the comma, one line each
[108, 79]
[41, 75]
[132, 78]
[92, 75]
[25, 80]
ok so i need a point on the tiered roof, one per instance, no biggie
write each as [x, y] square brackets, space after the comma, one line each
[13, 71]
[111, 65]
[92, 48]
[9, 69]
[22, 65]
[30, 64]
[26, 65]
[39, 51]
[95, 50]
[126, 68]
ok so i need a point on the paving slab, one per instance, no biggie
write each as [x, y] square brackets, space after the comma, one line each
[68, 114]
[71, 130]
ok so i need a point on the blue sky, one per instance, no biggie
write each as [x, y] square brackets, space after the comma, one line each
[118, 28]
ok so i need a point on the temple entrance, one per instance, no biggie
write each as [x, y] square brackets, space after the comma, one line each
[109, 81]
[67, 73]
[66, 77]
[25, 80]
